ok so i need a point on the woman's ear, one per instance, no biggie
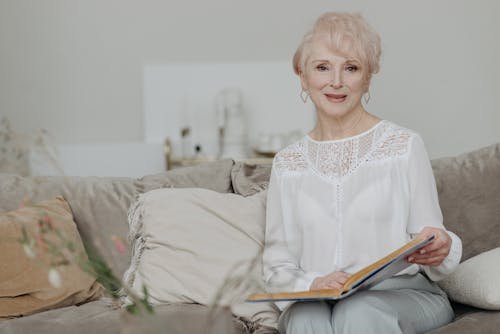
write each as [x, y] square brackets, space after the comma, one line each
[367, 84]
[303, 81]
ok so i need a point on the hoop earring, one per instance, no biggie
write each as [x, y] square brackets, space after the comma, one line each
[304, 95]
[367, 97]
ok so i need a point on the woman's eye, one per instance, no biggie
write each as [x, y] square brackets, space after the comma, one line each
[322, 68]
[351, 68]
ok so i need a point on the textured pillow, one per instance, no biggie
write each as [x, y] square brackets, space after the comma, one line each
[24, 271]
[188, 242]
[476, 281]
[250, 179]
[214, 175]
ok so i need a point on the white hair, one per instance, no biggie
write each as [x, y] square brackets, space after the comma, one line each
[349, 33]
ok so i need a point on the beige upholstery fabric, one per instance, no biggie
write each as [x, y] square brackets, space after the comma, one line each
[486, 322]
[188, 242]
[94, 317]
[24, 282]
[181, 319]
[214, 175]
[250, 179]
[469, 196]
[476, 281]
[97, 317]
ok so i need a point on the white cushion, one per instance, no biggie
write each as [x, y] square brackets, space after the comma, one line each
[188, 242]
[476, 281]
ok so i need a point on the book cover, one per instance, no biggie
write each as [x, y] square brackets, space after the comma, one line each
[368, 276]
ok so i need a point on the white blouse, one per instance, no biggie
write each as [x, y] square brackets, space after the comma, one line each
[340, 205]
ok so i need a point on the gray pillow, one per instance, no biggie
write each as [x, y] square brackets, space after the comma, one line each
[249, 179]
[215, 176]
[469, 196]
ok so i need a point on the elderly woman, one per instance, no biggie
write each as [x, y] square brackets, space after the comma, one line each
[352, 190]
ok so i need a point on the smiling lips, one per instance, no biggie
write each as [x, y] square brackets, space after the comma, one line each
[336, 98]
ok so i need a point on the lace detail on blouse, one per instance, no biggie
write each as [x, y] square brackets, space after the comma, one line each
[338, 158]
[291, 158]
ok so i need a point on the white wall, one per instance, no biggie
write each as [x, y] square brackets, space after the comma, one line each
[117, 159]
[181, 94]
[76, 67]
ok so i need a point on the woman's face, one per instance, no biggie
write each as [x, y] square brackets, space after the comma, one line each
[336, 82]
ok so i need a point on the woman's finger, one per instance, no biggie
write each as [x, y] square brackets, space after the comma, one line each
[435, 245]
[440, 252]
[342, 279]
[335, 285]
[433, 261]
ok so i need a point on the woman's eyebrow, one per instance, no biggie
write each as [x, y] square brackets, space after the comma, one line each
[350, 60]
[320, 61]
[353, 60]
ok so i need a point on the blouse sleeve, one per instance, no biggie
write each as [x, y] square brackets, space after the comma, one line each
[280, 268]
[424, 207]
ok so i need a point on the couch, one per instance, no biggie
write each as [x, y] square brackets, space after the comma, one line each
[469, 194]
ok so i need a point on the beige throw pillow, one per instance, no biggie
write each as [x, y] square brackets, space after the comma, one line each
[476, 281]
[187, 243]
[24, 267]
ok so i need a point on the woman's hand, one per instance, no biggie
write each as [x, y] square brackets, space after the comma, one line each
[434, 253]
[334, 280]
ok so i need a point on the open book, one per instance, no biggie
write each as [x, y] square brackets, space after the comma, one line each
[370, 275]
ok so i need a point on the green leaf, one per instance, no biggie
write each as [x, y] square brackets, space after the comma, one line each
[132, 308]
[25, 237]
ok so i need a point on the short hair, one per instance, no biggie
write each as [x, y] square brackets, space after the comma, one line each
[349, 33]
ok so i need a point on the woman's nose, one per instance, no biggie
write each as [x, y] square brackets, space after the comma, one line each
[337, 80]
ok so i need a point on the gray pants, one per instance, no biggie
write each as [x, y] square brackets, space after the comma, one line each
[402, 304]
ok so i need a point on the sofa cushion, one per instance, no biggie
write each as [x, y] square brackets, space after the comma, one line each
[249, 179]
[191, 244]
[475, 282]
[33, 239]
[181, 319]
[486, 322]
[99, 206]
[212, 175]
[99, 317]
[469, 196]
[93, 317]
